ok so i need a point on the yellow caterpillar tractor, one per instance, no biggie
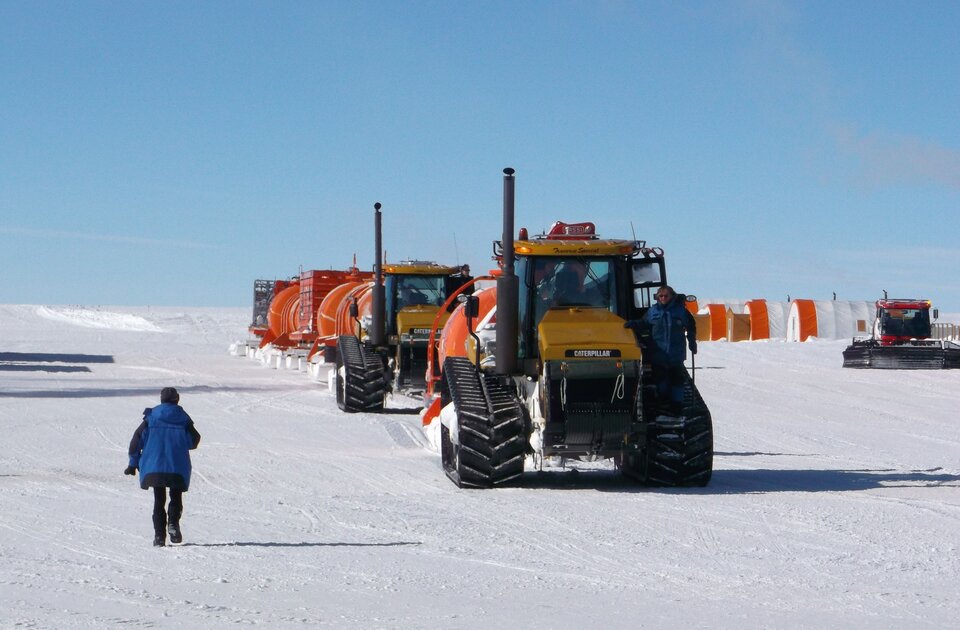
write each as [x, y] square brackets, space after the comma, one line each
[381, 328]
[561, 376]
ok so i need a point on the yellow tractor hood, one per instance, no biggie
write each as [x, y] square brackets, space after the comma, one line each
[585, 333]
[416, 321]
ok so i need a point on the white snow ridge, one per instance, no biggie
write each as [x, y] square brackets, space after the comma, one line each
[835, 500]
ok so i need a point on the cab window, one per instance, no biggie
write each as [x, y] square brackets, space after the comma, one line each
[561, 282]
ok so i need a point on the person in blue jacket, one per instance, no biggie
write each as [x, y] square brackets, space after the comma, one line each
[160, 449]
[672, 329]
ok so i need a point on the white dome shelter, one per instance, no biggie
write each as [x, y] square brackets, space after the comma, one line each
[829, 319]
[768, 320]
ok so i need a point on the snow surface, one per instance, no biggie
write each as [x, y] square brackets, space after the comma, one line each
[835, 500]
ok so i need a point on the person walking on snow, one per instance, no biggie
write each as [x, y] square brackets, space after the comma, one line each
[669, 322]
[160, 449]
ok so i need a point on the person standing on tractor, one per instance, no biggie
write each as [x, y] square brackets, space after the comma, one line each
[669, 322]
[160, 449]
[463, 277]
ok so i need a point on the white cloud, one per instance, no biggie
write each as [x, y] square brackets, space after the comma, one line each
[889, 159]
[112, 238]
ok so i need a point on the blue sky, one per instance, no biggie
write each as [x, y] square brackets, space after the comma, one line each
[169, 153]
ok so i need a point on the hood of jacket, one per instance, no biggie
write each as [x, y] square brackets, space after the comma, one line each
[169, 414]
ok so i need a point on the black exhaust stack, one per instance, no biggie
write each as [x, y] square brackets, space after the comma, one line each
[508, 286]
[377, 330]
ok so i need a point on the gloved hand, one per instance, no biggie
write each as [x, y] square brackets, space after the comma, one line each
[130, 470]
[693, 347]
[635, 324]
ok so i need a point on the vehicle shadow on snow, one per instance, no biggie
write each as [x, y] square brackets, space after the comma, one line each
[758, 453]
[761, 481]
[302, 544]
[757, 481]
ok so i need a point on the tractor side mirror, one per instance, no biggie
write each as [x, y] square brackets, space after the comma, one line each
[936, 313]
[471, 310]
[354, 311]
[471, 306]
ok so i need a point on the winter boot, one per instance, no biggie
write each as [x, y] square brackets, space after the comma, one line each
[174, 530]
[173, 516]
[159, 530]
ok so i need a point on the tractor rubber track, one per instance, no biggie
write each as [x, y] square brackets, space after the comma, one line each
[920, 355]
[491, 427]
[678, 449]
[361, 386]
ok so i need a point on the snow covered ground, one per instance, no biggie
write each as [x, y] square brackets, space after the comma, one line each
[835, 500]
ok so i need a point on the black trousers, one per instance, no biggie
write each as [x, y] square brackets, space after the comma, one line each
[162, 515]
[670, 380]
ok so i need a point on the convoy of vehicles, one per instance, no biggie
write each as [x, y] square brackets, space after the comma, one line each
[540, 366]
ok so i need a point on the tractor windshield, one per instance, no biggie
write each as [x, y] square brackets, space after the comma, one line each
[905, 322]
[412, 290]
[561, 282]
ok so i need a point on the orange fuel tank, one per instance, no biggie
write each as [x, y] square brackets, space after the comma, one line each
[343, 324]
[454, 336]
[452, 343]
[329, 307]
[277, 316]
[291, 315]
[333, 314]
[315, 286]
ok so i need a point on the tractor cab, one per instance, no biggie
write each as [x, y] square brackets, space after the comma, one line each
[577, 289]
[899, 321]
[414, 292]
